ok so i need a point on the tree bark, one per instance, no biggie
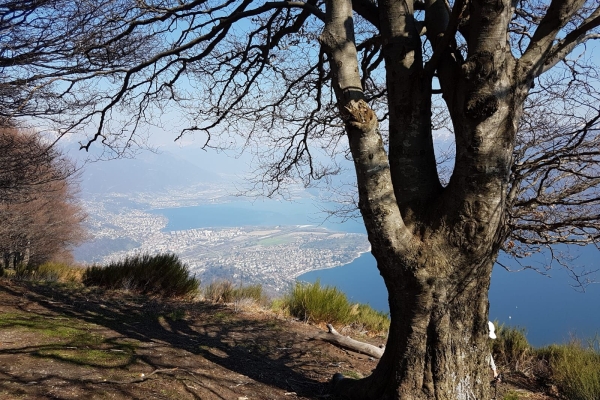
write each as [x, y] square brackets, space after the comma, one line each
[437, 344]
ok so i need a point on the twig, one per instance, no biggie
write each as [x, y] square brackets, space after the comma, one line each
[142, 378]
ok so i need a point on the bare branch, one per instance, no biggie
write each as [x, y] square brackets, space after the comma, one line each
[557, 16]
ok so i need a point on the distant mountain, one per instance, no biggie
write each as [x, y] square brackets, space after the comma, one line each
[95, 250]
[147, 172]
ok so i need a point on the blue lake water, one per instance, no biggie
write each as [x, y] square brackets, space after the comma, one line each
[549, 309]
[258, 213]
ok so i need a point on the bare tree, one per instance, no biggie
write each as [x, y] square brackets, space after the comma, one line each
[28, 165]
[40, 218]
[516, 89]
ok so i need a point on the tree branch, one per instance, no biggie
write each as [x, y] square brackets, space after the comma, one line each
[557, 16]
[574, 38]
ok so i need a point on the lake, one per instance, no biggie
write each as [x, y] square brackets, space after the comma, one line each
[549, 309]
[257, 213]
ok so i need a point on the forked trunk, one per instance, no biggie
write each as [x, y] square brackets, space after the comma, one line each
[435, 247]
[438, 344]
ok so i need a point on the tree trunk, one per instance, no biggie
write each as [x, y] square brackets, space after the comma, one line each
[438, 342]
[434, 246]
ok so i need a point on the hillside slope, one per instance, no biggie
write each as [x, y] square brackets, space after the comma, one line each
[67, 343]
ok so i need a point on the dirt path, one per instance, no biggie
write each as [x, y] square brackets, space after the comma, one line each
[59, 343]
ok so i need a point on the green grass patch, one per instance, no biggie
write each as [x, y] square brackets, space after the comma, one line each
[55, 327]
[352, 374]
[575, 369]
[108, 358]
[71, 340]
[220, 316]
[327, 304]
[176, 315]
[511, 348]
[511, 395]
[163, 275]
[227, 292]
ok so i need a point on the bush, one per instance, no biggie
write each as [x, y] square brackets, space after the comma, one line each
[575, 369]
[252, 292]
[511, 347]
[219, 292]
[163, 275]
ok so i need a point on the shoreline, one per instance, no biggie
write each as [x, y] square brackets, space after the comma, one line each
[360, 254]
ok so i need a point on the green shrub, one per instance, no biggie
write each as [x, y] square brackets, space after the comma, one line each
[511, 348]
[311, 302]
[511, 395]
[252, 292]
[163, 275]
[25, 271]
[575, 369]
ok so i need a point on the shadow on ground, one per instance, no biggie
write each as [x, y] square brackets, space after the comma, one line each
[73, 342]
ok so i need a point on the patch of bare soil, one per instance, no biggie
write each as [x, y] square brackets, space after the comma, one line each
[71, 343]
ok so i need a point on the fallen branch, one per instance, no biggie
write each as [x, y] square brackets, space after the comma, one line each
[142, 377]
[346, 342]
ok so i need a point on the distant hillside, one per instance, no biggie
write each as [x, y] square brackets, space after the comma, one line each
[95, 250]
[148, 172]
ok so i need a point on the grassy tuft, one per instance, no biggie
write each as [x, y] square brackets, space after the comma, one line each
[226, 292]
[219, 292]
[59, 272]
[163, 275]
[575, 369]
[312, 302]
[365, 318]
[511, 395]
[49, 272]
[511, 348]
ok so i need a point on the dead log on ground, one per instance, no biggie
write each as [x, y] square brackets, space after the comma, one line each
[346, 342]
